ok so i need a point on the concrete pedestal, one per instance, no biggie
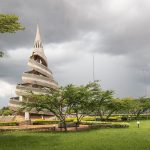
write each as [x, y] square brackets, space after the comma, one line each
[27, 116]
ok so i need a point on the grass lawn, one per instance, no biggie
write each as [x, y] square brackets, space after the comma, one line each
[132, 138]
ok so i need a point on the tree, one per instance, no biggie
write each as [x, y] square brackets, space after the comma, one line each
[78, 100]
[9, 24]
[6, 111]
[54, 102]
[135, 106]
[114, 106]
[142, 105]
[99, 98]
[130, 106]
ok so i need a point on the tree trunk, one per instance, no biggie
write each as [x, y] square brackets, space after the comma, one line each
[138, 114]
[100, 115]
[65, 125]
[78, 122]
[109, 114]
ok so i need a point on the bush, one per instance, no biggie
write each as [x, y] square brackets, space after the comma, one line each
[88, 118]
[98, 124]
[45, 122]
[6, 111]
[9, 123]
[114, 118]
[70, 119]
[125, 117]
[144, 117]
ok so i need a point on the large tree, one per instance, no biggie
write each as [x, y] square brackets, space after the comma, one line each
[9, 23]
[78, 99]
[142, 104]
[54, 102]
[100, 98]
[114, 106]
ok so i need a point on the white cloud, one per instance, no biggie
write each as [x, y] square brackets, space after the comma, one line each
[6, 89]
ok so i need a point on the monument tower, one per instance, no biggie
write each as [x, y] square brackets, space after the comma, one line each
[37, 80]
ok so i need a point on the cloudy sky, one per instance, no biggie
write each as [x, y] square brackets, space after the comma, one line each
[116, 32]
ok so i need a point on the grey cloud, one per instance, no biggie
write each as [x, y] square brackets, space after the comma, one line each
[56, 20]
[115, 28]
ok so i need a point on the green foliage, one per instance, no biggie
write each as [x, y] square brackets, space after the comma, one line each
[54, 102]
[6, 111]
[89, 119]
[105, 118]
[78, 99]
[9, 123]
[97, 124]
[85, 101]
[45, 122]
[99, 98]
[9, 23]
[1, 54]
[70, 119]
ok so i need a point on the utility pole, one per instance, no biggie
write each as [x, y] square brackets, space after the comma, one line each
[93, 69]
[145, 88]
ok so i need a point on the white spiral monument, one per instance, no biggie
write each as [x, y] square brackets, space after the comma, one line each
[37, 80]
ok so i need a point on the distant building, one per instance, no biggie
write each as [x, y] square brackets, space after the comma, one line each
[38, 80]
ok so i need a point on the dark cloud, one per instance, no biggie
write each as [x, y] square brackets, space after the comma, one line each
[57, 20]
[72, 31]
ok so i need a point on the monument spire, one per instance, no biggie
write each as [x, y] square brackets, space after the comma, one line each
[38, 41]
[38, 80]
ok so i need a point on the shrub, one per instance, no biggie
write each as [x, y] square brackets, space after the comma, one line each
[6, 111]
[88, 118]
[125, 117]
[45, 122]
[98, 124]
[9, 123]
[114, 118]
[70, 119]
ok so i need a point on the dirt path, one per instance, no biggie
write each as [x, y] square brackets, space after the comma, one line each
[41, 128]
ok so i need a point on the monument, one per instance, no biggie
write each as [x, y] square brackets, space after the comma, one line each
[38, 80]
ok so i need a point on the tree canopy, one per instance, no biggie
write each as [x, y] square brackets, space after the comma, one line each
[9, 23]
[86, 100]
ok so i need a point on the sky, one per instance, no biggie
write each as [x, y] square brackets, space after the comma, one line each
[115, 32]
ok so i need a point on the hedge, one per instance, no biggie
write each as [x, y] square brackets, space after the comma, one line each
[114, 118]
[45, 122]
[89, 118]
[125, 117]
[9, 123]
[98, 124]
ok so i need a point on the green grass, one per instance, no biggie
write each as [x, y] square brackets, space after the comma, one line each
[132, 138]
